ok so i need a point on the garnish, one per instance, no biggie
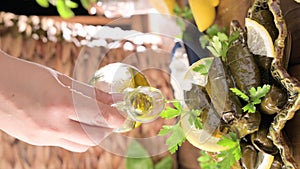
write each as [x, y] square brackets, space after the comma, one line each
[186, 13]
[195, 119]
[231, 155]
[217, 42]
[255, 96]
[206, 161]
[177, 136]
[204, 67]
[138, 157]
[228, 157]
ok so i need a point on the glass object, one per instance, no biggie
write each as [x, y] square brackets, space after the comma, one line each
[132, 95]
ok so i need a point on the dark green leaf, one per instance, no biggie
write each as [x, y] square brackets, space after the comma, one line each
[43, 3]
[165, 163]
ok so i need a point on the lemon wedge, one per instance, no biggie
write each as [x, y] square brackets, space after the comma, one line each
[200, 138]
[204, 12]
[264, 160]
[258, 39]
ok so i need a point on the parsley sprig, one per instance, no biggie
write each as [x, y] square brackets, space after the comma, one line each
[204, 67]
[255, 96]
[178, 136]
[227, 157]
[217, 42]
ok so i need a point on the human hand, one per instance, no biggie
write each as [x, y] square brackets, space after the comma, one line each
[43, 107]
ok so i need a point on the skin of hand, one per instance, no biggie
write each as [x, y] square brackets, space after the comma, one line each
[37, 106]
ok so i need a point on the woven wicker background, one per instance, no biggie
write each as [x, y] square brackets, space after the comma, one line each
[62, 56]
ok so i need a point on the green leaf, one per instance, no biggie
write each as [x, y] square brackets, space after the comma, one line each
[240, 94]
[259, 92]
[222, 36]
[250, 108]
[213, 30]
[213, 51]
[216, 43]
[176, 138]
[86, 4]
[165, 163]
[227, 142]
[204, 40]
[169, 113]
[63, 10]
[207, 162]
[231, 155]
[71, 4]
[233, 36]
[138, 157]
[43, 3]
[177, 10]
[165, 130]
[203, 69]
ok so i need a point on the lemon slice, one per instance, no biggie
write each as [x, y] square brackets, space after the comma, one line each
[264, 160]
[258, 39]
[200, 138]
[204, 12]
[196, 77]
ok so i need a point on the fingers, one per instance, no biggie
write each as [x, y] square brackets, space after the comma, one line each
[85, 134]
[71, 146]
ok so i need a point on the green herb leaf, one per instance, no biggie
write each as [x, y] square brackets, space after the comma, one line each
[250, 108]
[194, 119]
[165, 163]
[231, 155]
[255, 97]
[233, 36]
[213, 51]
[206, 162]
[259, 92]
[138, 157]
[71, 4]
[63, 10]
[240, 94]
[177, 136]
[204, 40]
[43, 3]
[169, 112]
